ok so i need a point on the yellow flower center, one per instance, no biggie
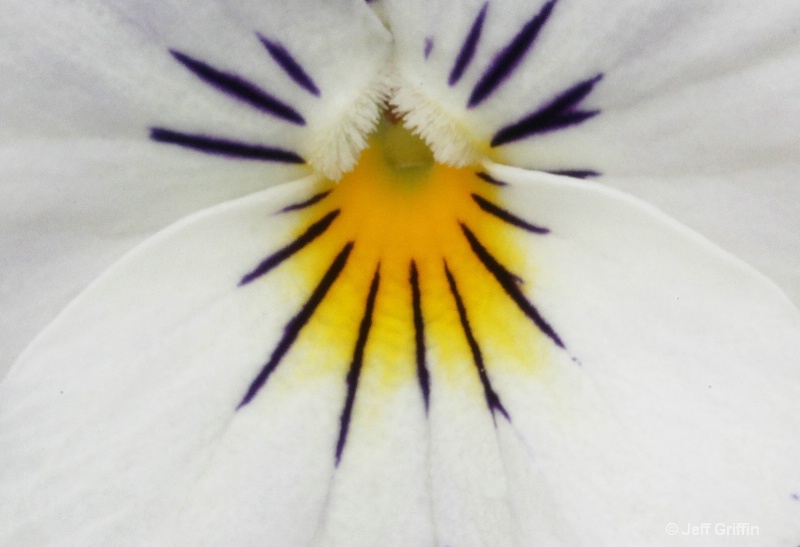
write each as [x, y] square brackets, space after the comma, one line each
[404, 213]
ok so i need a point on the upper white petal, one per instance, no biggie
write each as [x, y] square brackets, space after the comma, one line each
[687, 88]
[705, 95]
[87, 71]
[104, 68]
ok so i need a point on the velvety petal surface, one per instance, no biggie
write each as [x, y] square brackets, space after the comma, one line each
[434, 358]
[112, 69]
[253, 372]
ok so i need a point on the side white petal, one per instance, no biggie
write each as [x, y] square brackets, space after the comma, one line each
[683, 406]
[70, 209]
[752, 214]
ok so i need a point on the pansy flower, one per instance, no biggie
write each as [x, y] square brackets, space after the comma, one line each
[409, 304]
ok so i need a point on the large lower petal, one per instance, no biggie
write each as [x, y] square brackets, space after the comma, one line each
[252, 374]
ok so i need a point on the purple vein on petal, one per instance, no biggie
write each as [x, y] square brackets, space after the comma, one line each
[509, 58]
[575, 173]
[508, 281]
[492, 399]
[292, 329]
[239, 88]
[468, 48]
[313, 200]
[419, 335]
[428, 48]
[289, 65]
[558, 113]
[273, 260]
[506, 216]
[486, 177]
[224, 147]
[354, 374]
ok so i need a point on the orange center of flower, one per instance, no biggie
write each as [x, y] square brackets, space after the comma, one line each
[405, 216]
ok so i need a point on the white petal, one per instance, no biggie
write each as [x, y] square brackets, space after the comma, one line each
[752, 214]
[682, 405]
[710, 121]
[120, 421]
[381, 489]
[70, 209]
[105, 69]
[704, 96]
[87, 71]
[708, 88]
[121, 68]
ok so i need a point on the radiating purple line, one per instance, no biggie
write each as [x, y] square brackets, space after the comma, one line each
[419, 335]
[313, 200]
[292, 329]
[354, 373]
[276, 258]
[486, 177]
[558, 113]
[290, 66]
[468, 48]
[239, 88]
[505, 62]
[508, 281]
[492, 399]
[428, 47]
[537, 123]
[504, 215]
[570, 98]
[224, 147]
[575, 173]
